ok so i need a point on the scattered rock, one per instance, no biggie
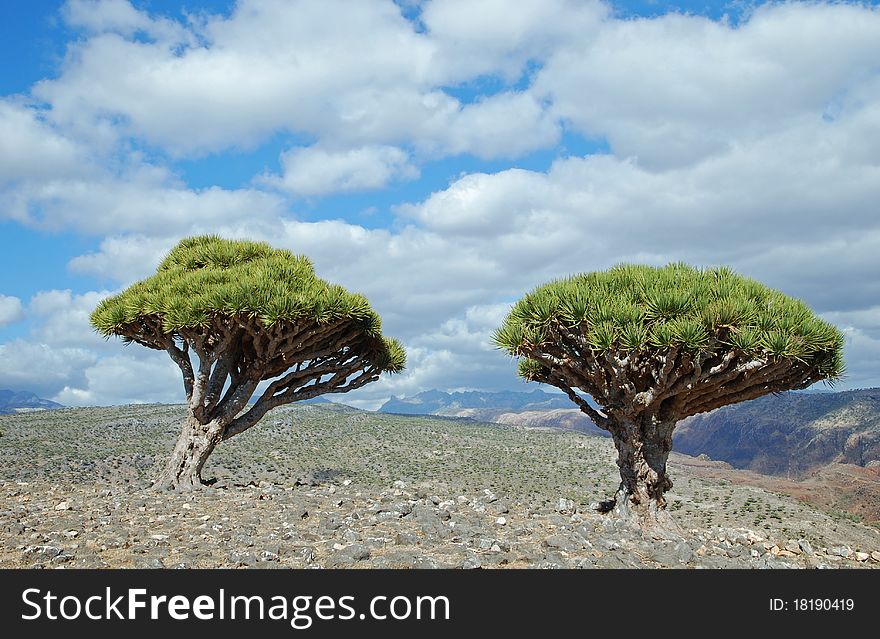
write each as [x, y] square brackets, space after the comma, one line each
[673, 553]
[150, 562]
[560, 543]
[564, 506]
[37, 553]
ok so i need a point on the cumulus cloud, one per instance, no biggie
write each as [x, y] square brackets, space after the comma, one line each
[503, 125]
[119, 16]
[353, 74]
[145, 199]
[65, 360]
[487, 37]
[754, 144]
[65, 318]
[248, 76]
[317, 171]
[129, 378]
[32, 149]
[41, 368]
[676, 89]
[456, 355]
[124, 258]
[10, 310]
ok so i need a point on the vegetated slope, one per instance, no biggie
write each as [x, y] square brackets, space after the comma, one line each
[791, 434]
[23, 401]
[333, 486]
[818, 447]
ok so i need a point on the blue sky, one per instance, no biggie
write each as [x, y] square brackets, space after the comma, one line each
[441, 156]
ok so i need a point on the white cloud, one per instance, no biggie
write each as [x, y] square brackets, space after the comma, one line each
[353, 74]
[10, 310]
[476, 38]
[124, 258]
[65, 318]
[119, 16]
[146, 199]
[130, 378]
[755, 145]
[65, 360]
[480, 203]
[676, 89]
[456, 355]
[32, 149]
[317, 171]
[270, 65]
[41, 368]
[503, 125]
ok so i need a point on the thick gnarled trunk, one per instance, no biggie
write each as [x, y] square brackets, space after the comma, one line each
[194, 445]
[643, 445]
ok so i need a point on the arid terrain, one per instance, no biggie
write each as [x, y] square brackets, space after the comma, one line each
[820, 447]
[329, 486]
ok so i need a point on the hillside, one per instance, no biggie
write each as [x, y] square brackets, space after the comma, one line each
[820, 447]
[23, 401]
[330, 486]
[792, 434]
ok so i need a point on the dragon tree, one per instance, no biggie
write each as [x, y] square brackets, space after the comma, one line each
[242, 319]
[639, 348]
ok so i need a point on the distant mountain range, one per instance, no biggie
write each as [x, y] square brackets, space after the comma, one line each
[23, 401]
[791, 434]
[435, 402]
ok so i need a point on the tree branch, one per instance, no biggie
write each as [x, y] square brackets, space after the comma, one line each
[335, 384]
[597, 418]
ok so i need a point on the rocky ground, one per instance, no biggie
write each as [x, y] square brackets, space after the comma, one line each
[331, 487]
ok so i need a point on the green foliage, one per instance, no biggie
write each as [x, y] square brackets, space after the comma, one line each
[634, 307]
[530, 369]
[206, 276]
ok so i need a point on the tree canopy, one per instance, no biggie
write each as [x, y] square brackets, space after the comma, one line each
[653, 345]
[649, 311]
[249, 314]
[207, 277]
